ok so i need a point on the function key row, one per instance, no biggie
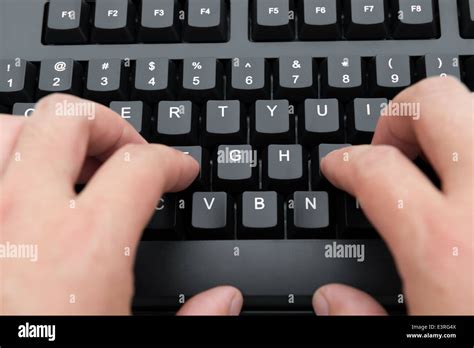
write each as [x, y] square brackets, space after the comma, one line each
[314, 20]
[123, 21]
[244, 79]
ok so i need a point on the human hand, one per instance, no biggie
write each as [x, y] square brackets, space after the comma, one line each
[86, 243]
[431, 237]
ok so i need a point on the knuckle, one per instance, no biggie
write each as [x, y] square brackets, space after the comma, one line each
[131, 149]
[375, 161]
[435, 87]
[372, 166]
[49, 102]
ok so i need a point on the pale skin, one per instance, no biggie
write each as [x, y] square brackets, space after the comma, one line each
[83, 265]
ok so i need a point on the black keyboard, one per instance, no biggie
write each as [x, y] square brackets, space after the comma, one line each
[257, 91]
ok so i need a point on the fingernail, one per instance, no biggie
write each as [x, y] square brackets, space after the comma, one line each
[321, 305]
[236, 304]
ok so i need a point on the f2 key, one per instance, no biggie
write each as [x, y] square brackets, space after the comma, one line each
[114, 21]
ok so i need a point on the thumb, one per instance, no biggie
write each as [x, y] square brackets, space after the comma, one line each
[223, 300]
[338, 299]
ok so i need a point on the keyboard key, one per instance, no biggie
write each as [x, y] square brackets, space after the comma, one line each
[285, 168]
[366, 19]
[321, 120]
[212, 216]
[235, 168]
[23, 109]
[60, 76]
[159, 21]
[201, 79]
[250, 79]
[469, 68]
[363, 115]
[414, 19]
[114, 21]
[342, 77]
[319, 19]
[177, 123]
[106, 81]
[390, 75]
[165, 223]
[260, 215]
[224, 123]
[68, 22]
[295, 78]
[17, 81]
[206, 21]
[439, 65]
[201, 155]
[271, 123]
[135, 113]
[271, 20]
[154, 80]
[308, 216]
[356, 224]
[466, 10]
[318, 153]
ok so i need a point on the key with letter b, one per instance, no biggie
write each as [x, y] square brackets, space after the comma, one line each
[260, 215]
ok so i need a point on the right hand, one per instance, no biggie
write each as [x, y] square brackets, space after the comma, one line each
[431, 237]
